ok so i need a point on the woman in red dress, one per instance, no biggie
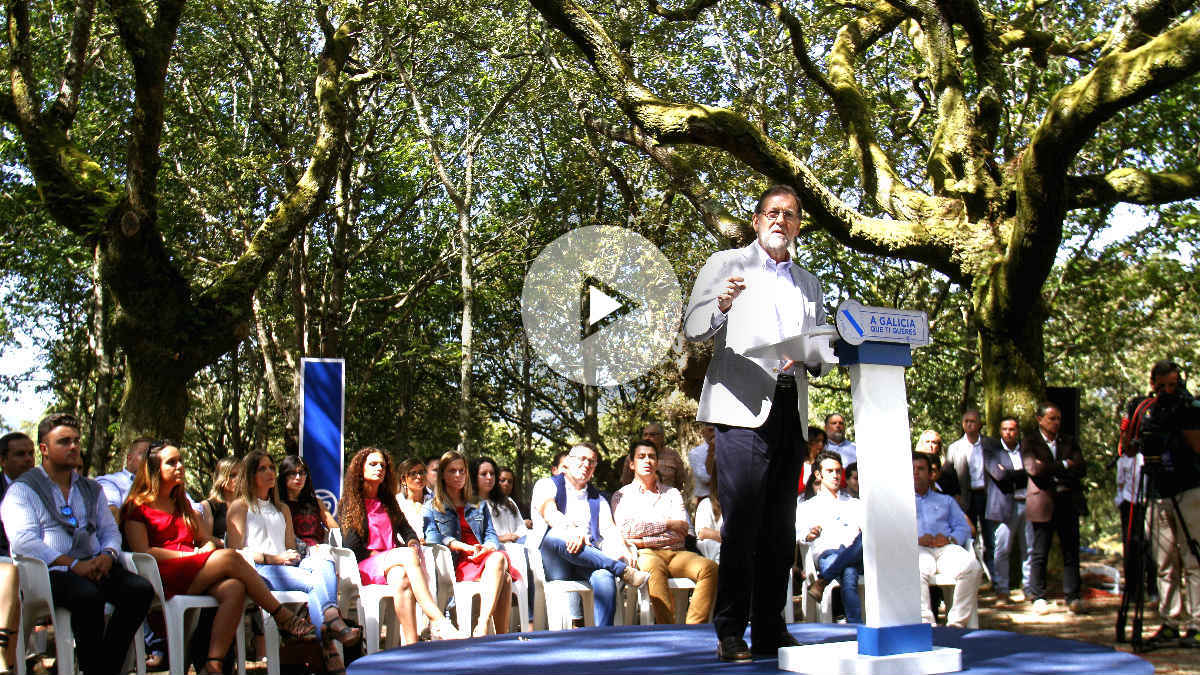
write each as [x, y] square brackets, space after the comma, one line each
[157, 519]
[463, 524]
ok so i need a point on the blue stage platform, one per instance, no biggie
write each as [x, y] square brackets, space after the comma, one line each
[692, 649]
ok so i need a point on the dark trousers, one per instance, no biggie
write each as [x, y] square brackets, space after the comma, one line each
[1066, 523]
[757, 473]
[102, 648]
[1137, 513]
[976, 508]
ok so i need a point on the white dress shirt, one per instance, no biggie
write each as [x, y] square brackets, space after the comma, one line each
[840, 517]
[698, 458]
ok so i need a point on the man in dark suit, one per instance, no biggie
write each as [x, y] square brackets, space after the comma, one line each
[16, 457]
[1004, 518]
[1054, 501]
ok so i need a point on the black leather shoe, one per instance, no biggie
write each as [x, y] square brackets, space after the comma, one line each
[733, 648]
[770, 647]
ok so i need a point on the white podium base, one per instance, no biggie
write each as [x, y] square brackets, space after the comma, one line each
[843, 658]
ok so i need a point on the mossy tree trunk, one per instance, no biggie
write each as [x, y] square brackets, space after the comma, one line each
[167, 326]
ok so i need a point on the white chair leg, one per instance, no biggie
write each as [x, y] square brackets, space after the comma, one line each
[176, 656]
[64, 642]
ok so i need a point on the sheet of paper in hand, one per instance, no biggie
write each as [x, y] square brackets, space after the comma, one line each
[813, 347]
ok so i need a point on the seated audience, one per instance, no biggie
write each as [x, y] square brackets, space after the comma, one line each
[942, 537]
[260, 526]
[945, 480]
[698, 461]
[16, 457]
[159, 520]
[850, 486]
[224, 491]
[311, 521]
[835, 438]
[577, 535]
[653, 520]
[816, 443]
[411, 497]
[116, 485]
[558, 463]
[385, 543]
[431, 473]
[671, 470]
[462, 523]
[60, 517]
[506, 516]
[709, 520]
[506, 482]
[830, 522]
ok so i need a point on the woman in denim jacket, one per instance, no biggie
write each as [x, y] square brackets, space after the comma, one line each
[460, 523]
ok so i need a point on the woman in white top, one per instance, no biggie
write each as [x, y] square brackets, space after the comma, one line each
[411, 496]
[260, 527]
[709, 519]
[506, 517]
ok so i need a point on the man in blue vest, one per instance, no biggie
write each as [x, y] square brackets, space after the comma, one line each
[54, 514]
[578, 537]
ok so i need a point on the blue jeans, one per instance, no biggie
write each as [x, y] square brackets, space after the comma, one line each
[315, 576]
[1004, 533]
[590, 565]
[845, 563]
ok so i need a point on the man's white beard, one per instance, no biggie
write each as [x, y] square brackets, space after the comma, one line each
[775, 244]
[836, 439]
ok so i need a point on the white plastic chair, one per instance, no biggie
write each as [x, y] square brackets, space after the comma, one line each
[681, 589]
[465, 592]
[37, 602]
[180, 616]
[372, 603]
[271, 630]
[551, 600]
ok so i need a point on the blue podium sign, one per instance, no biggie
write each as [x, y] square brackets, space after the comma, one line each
[322, 425]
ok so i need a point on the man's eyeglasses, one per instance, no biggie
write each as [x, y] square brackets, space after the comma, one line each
[586, 461]
[775, 214]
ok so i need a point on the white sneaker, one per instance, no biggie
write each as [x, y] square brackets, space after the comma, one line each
[444, 629]
[634, 577]
[1041, 607]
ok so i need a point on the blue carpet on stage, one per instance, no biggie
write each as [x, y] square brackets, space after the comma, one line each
[692, 649]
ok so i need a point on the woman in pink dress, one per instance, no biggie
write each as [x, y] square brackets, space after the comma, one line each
[463, 524]
[385, 544]
[157, 519]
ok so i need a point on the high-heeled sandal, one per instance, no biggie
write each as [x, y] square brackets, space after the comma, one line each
[220, 666]
[332, 659]
[6, 634]
[293, 626]
[348, 635]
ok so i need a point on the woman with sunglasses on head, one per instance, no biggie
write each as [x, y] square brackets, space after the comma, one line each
[463, 524]
[385, 543]
[412, 493]
[158, 519]
[506, 516]
[261, 527]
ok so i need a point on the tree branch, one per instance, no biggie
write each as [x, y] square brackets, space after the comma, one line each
[67, 102]
[20, 66]
[799, 46]
[926, 238]
[1142, 20]
[435, 146]
[1133, 186]
[690, 12]
[232, 293]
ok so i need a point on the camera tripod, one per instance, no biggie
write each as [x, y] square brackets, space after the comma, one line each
[1133, 593]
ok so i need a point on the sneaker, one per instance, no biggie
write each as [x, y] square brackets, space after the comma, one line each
[444, 629]
[634, 577]
[1041, 607]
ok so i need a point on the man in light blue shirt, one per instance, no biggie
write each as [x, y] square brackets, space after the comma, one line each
[116, 485]
[943, 540]
[54, 514]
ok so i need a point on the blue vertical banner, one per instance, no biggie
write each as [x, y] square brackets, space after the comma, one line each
[322, 425]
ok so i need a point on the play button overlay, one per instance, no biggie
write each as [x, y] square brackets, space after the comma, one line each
[601, 305]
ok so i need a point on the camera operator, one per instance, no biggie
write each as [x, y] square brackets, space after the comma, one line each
[1165, 429]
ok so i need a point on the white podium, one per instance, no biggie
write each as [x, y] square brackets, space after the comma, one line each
[893, 640]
